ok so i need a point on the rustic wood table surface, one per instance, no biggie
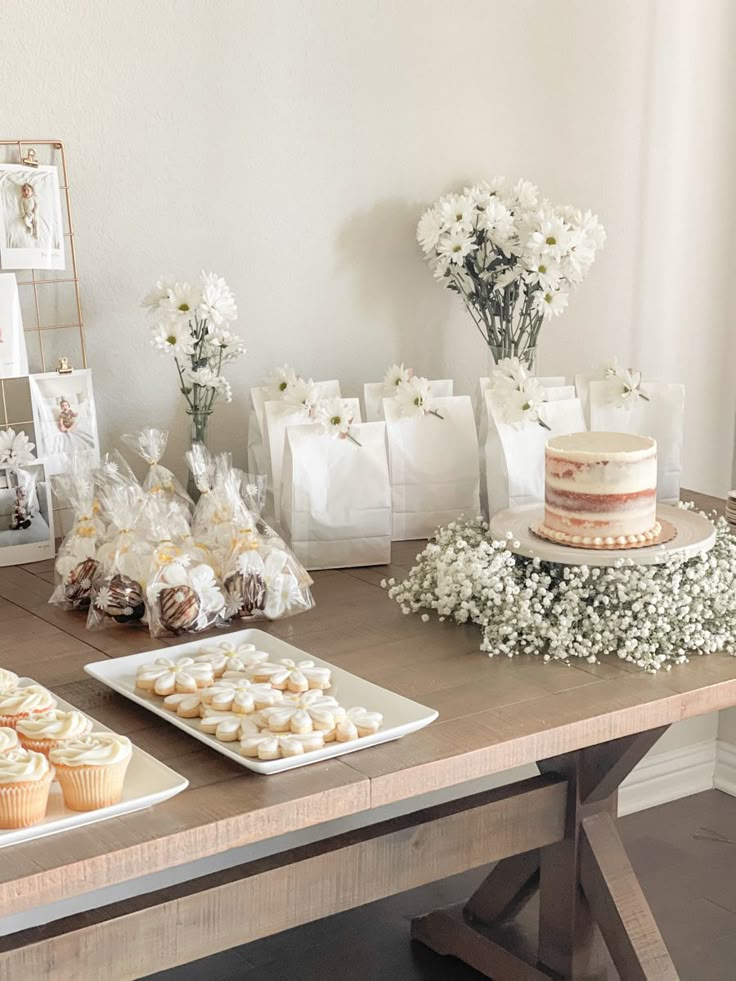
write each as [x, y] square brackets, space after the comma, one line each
[586, 725]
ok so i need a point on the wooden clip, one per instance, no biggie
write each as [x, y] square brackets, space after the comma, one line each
[63, 367]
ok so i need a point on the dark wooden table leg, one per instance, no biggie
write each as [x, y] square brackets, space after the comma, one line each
[585, 882]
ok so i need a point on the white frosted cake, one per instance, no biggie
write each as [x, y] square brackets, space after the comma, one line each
[601, 490]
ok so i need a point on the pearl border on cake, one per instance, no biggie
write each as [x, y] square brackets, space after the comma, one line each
[655, 536]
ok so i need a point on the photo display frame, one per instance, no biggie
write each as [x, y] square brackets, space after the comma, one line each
[64, 417]
[26, 515]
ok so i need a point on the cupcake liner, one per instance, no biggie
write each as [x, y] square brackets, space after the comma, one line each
[39, 745]
[85, 788]
[24, 804]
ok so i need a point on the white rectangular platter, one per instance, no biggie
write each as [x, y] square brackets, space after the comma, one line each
[147, 782]
[400, 715]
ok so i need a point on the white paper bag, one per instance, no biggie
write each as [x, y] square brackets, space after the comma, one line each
[662, 418]
[13, 357]
[336, 497]
[514, 453]
[279, 416]
[554, 389]
[375, 392]
[433, 465]
[257, 456]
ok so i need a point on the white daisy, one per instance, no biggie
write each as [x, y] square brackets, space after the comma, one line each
[429, 228]
[182, 303]
[336, 417]
[204, 376]
[16, 450]
[550, 304]
[159, 295]
[544, 270]
[395, 375]
[457, 211]
[521, 404]
[456, 244]
[303, 393]
[281, 380]
[217, 304]
[414, 398]
[551, 237]
[173, 337]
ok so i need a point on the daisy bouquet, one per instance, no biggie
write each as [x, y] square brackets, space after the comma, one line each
[513, 257]
[192, 324]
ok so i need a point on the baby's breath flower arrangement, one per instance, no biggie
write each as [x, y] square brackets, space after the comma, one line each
[653, 616]
[513, 256]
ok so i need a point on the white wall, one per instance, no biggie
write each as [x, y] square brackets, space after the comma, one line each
[292, 145]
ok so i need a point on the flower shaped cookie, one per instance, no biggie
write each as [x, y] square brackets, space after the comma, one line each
[188, 706]
[273, 745]
[164, 676]
[323, 711]
[288, 675]
[239, 695]
[229, 656]
[359, 722]
[228, 727]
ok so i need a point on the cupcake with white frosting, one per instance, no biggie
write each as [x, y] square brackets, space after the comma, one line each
[24, 703]
[42, 733]
[8, 740]
[25, 779]
[91, 769]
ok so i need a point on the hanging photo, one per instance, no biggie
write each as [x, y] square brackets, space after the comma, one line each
[26, 518]
[13, 357]
[64, 418]
[31, 230]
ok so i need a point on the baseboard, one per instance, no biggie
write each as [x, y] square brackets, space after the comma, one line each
[662, 777]
[725, 772]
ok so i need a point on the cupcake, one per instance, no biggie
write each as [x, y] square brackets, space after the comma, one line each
[24, 703]
[91, 770]
[25, 779]
[8, 680]
[8, 740]
[42, 733]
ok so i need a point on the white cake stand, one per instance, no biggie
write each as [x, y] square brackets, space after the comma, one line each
[695, 534]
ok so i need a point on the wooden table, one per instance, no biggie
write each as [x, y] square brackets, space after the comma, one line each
[588, 724]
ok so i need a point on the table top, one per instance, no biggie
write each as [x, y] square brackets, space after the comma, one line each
[495, 713]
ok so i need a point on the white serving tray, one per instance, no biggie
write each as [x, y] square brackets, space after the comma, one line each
[147, 782]
[400, 715]
[695, 534]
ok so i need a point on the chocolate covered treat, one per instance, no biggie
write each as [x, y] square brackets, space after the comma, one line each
[247, 591]
[121, 598]
[78, 587]
[178, 608]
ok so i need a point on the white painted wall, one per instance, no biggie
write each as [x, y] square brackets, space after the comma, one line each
[291, 146]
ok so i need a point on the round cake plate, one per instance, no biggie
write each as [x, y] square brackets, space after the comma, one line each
[695, 534]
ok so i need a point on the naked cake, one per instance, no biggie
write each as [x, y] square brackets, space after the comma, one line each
[601, 490]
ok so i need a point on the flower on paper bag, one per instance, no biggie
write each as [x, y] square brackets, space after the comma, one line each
[624, 385]
[516, 395]
[303, 393]
[336, 418]
[414, 398]
[280, 381]
[396, 374]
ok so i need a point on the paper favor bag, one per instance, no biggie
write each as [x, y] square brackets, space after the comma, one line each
[375, 392]
[433, 465]
[336, 497]
[279, 416]
[13, 357]
[662, 418]
[554, 389]
[259, 395]
[514, 453]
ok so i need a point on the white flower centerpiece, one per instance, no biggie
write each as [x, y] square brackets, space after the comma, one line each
[513, 257]
[192, 325]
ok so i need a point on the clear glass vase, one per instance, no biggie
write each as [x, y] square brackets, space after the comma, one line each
[521, 349]
[199, 420]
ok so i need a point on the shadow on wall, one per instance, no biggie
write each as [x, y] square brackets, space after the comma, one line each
[394, 286]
